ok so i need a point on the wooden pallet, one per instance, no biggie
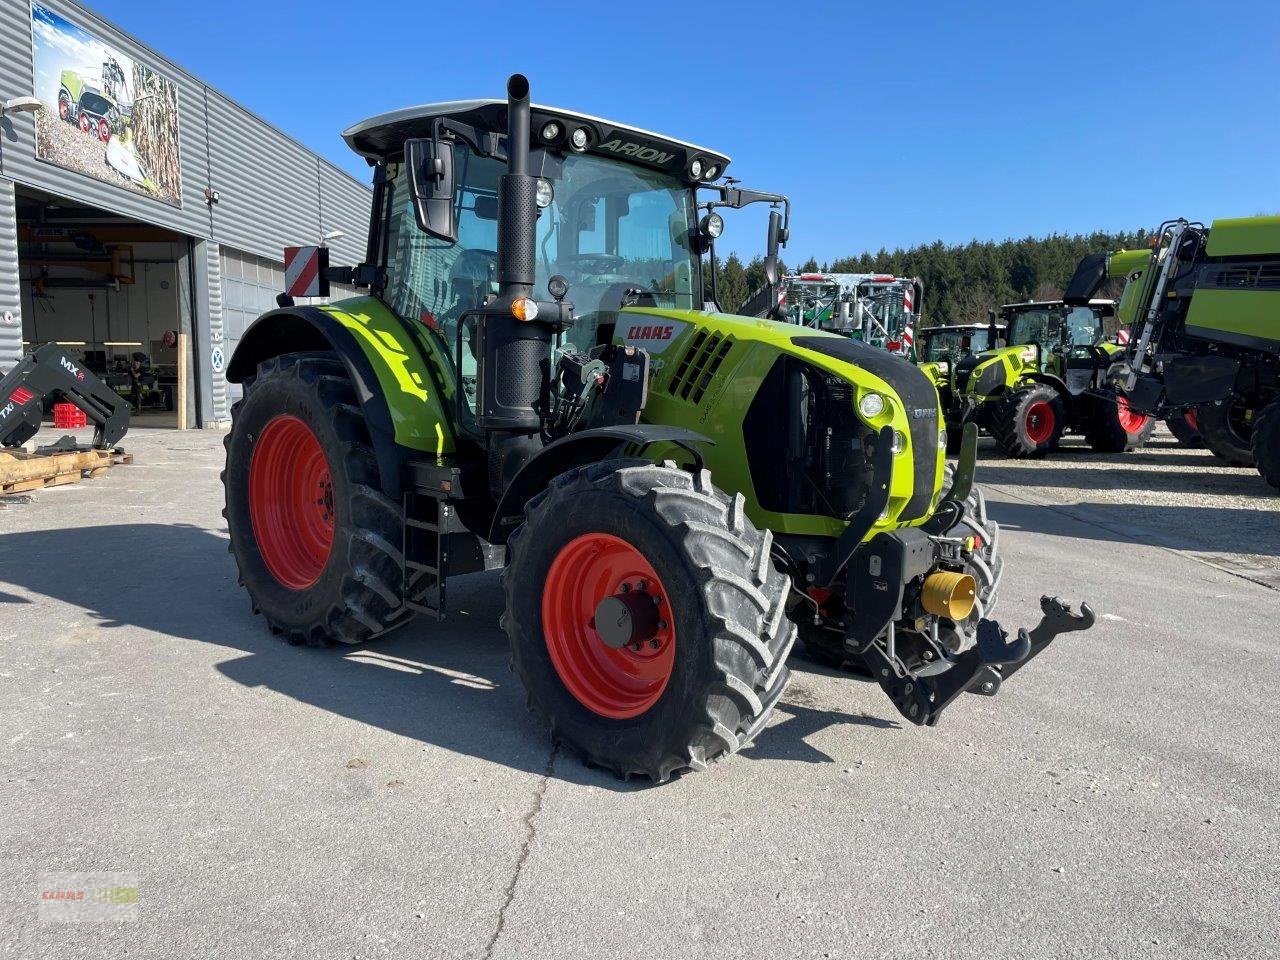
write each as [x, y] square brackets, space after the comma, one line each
[21, 472]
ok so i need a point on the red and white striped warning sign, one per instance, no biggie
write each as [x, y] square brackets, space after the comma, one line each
[304, 269]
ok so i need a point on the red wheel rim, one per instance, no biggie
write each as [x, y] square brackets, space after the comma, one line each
[104, 131]
[1040, 421]
[1193, 419]
[85, 125]
[616, 683]
[64, 108]
[1130, 421]
[291, 502]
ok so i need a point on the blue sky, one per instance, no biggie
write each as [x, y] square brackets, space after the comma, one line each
[888, 125]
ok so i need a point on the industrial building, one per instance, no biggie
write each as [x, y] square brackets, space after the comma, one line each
[143, 214]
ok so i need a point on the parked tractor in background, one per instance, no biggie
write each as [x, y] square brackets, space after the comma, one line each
[672, 490]
[939, 350]
[1050, 379]
[879, 309]
[1204, 332]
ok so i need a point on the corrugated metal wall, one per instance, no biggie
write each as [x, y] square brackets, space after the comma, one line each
[10, 300]
[273, 191]
[221, 409]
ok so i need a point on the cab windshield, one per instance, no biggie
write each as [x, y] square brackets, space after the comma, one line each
[610, 228]
[943, 345]
[1055, 324]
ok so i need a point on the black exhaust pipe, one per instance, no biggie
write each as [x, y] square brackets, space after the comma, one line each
[514, 377]
[518, 209]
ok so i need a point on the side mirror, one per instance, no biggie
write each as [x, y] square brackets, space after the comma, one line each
[775, 242]
[430, 166]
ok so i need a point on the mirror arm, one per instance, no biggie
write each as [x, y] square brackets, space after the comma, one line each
[486, 143]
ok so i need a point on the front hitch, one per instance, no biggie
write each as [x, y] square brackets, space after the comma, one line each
[981, 669]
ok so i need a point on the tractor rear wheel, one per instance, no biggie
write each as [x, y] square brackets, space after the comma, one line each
[1114, 427]
[1185, 429]
[315, 538]
[1227, 429]
[1028, 422]
[646, 618]
[1266, 443]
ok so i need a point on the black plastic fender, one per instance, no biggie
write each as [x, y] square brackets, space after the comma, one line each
[585, 446]
[299, 329]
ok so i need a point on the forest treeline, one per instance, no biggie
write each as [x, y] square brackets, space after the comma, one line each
[961, 281]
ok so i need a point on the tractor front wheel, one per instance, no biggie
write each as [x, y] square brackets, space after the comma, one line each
[646, 618]
[316, 540]
[1028, 422]
[1114, 427]
[1266, 443]
[1227, 429]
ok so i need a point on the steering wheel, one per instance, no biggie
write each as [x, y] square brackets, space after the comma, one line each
[606, 262]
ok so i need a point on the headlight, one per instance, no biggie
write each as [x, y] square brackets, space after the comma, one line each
[871, 405]
[695, 169]
[550, 131]
[546, 193]
[579, 139]
[712, 172]
[899, 442]
[712, 225]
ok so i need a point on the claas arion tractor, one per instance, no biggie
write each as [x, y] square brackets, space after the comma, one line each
[939, 352]
[1204, 340]
[1050, 379]
[673, 492]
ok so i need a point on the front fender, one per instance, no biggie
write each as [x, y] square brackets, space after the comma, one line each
[575, 450]
[403, 382]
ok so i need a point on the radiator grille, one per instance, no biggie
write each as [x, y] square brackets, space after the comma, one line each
[697, 368]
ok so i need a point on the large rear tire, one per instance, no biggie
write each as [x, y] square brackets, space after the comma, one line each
[1029, 421]
[1114, 427]
[1266, 443]
[1185, 429]
[1227, 429]
[315, 538]
[698, 639]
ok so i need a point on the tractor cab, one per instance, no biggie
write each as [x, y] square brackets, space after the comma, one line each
[1061, 335]
[619, 220]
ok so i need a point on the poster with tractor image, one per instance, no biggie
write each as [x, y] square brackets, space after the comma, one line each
[106, 115]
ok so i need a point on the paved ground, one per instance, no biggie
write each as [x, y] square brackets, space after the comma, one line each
[1119, 799]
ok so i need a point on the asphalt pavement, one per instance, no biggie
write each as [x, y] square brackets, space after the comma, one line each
[1119, 798]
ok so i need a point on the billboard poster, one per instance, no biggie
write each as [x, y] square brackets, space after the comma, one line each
[106, 115]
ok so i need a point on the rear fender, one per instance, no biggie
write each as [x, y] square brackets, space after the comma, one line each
[397, 373]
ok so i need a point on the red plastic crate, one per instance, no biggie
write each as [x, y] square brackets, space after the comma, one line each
[67, 416]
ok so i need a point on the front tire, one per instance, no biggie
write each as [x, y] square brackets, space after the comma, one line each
[1227, 429]
[1266, 443]
[314, 537]
[702, 677]
[1028, 422]
[1115, 428]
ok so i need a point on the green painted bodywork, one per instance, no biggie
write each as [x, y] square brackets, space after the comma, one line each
[413, 370]
[757, 344]
[1252, 314]
[938, 372]
[1244, 237]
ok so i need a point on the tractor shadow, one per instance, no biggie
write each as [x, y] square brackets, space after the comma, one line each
[445, 684]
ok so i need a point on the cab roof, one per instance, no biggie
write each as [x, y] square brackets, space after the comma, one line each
[383, 136]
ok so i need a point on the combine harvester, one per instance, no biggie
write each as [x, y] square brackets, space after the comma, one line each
[673, 491]
[1204, 332]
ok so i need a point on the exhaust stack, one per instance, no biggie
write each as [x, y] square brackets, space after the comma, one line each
[518, 209]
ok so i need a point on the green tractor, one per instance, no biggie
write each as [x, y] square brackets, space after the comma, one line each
[1204, 343]
[672, 491]
[1051, 378]
[939, 350]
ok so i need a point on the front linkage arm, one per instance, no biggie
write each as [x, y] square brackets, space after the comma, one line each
[981, 669]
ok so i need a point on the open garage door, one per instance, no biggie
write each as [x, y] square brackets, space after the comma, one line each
[107, 289]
